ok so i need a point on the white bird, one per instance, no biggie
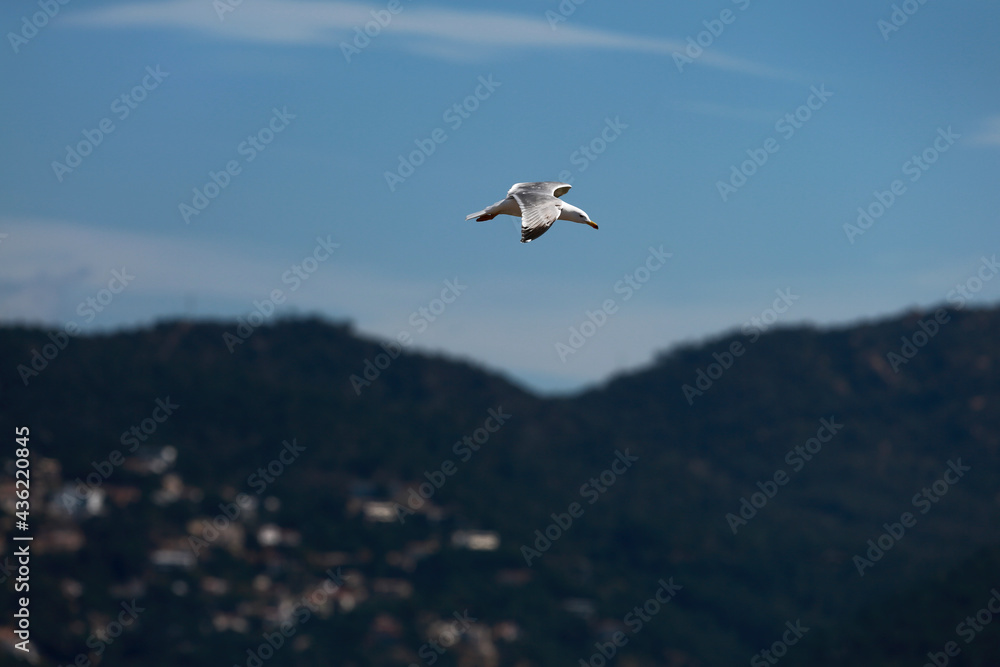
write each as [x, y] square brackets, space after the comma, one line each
[538, 205]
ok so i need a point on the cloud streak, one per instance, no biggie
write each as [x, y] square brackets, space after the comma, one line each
[433, 32]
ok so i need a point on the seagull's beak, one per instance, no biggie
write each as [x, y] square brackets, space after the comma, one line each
[592, 224]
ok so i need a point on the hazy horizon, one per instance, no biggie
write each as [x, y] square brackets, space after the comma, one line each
[217, 156]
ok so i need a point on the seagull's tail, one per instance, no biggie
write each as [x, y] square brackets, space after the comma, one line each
[480, 216]
[493, 211]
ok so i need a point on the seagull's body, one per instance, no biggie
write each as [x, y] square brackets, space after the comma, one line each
[538, 206]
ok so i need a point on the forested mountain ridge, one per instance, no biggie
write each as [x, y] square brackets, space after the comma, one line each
[749, 471]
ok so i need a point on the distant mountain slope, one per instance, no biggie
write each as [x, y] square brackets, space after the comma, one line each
[805, 442]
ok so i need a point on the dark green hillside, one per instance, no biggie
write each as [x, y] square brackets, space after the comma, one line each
[679, 468]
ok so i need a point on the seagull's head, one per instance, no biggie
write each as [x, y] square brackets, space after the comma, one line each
[574, 214]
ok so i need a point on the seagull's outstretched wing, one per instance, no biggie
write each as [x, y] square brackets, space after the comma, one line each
[538, 212]
[551, 188]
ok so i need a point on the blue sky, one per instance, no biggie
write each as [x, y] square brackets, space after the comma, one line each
[832, 105]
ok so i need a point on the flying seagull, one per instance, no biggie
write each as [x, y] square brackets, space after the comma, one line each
[538, 205]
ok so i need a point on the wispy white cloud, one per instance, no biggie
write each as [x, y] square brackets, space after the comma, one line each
[435, 32]
[989, 135]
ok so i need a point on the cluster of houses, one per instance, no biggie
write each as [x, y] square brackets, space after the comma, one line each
[61, 507]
